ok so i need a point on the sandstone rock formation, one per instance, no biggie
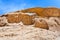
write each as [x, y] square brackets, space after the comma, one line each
[31, 24]
[40, 23]
[44, 12]
[27, 18]
[14, 17]
[3, 21]
[51, 12]
[36, 10]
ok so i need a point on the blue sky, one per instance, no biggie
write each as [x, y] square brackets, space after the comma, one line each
[13, 5]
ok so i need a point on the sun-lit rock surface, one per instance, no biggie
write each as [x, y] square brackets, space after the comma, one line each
[41, 23]
[27, 18]
[44, 12]
[3, 21]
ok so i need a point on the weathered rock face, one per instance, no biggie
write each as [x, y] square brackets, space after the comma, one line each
[51, 12]
[14, 18]
[44, 12]
[27, 18]
[36, 10]
[40, 23]
[3, 21]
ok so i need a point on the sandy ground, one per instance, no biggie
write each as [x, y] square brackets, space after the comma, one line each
[22, 32]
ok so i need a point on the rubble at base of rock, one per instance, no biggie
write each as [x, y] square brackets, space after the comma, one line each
[20, 32]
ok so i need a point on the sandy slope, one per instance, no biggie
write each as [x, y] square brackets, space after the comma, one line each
[22, 32]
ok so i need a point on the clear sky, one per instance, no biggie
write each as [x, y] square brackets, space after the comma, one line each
[13, 5]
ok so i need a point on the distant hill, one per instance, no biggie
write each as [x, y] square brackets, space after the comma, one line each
[37, 10]
[51, 11]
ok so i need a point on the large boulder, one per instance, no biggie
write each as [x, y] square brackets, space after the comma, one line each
[27, 18]
[3, 21]
[14, 17]
[41, 23]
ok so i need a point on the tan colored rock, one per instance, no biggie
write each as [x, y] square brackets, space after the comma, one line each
[27, 18]
[3, 21]
[39, 23]
[44, 12]
[51, 12]
[14, 18]
[37, 10]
